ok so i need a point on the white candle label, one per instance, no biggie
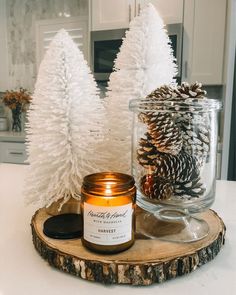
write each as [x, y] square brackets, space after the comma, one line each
[107, 225]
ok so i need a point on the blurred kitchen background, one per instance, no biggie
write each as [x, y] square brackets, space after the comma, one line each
[203, 35]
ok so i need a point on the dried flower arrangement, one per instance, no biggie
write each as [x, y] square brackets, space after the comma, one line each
[17, 99]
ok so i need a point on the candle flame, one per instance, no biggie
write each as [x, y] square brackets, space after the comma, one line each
[108, 190]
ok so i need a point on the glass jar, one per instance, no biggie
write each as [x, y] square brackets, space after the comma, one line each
[174, 164]
[108, 209]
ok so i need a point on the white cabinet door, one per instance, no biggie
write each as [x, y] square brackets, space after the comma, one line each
[13, 152]
[171, 11]
[111, 14]
[203, 43]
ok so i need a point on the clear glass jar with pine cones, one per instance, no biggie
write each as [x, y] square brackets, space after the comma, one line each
[174, 158]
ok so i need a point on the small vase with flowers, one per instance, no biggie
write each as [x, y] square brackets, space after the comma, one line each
[17, 101]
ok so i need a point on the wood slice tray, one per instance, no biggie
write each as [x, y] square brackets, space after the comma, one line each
[147, 262]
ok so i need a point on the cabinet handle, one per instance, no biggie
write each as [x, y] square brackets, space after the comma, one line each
[16, 153]
[129, 13]
[186, 69]
[139, 8]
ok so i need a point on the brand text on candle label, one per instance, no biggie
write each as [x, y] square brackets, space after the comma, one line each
[107, 225]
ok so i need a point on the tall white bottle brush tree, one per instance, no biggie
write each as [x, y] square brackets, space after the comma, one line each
[145, 62]
[65, 125]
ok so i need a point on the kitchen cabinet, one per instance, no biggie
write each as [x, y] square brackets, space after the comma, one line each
[113, 14]
[171, 11]
[203, 41]
[12, 147]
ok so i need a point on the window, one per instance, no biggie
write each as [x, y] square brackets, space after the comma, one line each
[47, 29]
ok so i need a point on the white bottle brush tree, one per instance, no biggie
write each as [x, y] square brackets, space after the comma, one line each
[145, 62]
[65, 125]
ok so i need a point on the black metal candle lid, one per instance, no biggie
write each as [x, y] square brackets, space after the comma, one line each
[64, 226]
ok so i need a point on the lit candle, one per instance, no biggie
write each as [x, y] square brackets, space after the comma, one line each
[107, 205]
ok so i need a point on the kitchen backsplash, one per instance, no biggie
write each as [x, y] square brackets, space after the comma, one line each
[21, 17]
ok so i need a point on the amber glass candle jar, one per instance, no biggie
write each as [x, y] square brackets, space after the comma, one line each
[108, 209]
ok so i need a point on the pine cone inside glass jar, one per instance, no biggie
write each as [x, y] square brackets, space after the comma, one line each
[179, 173]
[181, 168]
[163, 132]
[147, 153]
[156, 188]
[196, 135]
[176, 143]
[189, 190]
[183, 127]
[190, 91]
[164, 92]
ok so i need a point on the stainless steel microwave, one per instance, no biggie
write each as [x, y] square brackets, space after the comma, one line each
[106, 44]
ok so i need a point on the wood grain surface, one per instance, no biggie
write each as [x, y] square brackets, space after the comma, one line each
[148, 261]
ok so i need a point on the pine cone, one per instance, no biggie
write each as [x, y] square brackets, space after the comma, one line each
[176, 144]
[187, 129]
[164, 133]
[194, 126]
[156, 188]
[196, 136]
[189, 190]
[190, 91]
[162, 93]
[180, 168]
[172, 175]
[147, 153]
[182, 91]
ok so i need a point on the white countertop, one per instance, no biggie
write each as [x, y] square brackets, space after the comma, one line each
[24, 272]
[12, 137]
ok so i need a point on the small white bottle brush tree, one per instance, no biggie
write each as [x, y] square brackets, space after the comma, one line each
[145, 62]
[65, 125]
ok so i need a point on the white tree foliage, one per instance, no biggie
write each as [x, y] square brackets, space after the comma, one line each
[65, 125]
[145, 62]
